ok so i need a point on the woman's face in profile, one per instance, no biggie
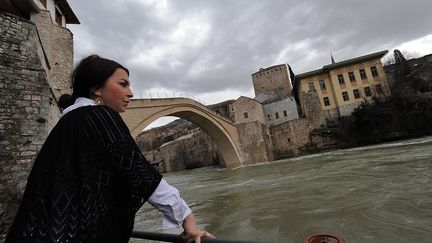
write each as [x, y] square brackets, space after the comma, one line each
[116, 92]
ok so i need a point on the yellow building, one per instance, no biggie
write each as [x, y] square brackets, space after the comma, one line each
[342, 86]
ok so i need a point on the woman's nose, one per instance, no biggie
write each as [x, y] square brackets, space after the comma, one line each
[129, 94]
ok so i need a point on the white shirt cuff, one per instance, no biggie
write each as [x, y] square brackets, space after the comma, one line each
[167, 199]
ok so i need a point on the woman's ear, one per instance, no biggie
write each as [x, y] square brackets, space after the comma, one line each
[96, 92]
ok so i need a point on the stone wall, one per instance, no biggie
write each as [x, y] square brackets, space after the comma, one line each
[25, 100]
[188, 152]
[246, 110]
[346, 110]
[255, 143]
[35, 64]
[291, 138]
[273, 80]
[331, 114]
[57, 44]
[311, 107]
[24, 93]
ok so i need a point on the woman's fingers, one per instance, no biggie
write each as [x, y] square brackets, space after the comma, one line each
[189, 238]
[207, 234]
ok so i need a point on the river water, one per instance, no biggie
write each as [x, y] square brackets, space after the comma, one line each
[380, 193]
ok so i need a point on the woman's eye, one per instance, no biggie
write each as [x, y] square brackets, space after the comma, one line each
[123, 84]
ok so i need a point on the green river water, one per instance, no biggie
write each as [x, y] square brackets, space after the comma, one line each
[380, 193]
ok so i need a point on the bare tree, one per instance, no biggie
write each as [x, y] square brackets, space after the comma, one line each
[390, 59]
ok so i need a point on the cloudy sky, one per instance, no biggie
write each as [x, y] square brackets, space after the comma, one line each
[207, 49]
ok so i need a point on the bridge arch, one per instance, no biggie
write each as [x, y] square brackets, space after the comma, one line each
[142, 112]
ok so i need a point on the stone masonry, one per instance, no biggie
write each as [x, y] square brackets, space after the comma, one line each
[293, 137]
[35, 64]
[25, 99]
[255, 143]
[188, 152]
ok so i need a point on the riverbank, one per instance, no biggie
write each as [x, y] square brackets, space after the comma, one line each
[395, 118]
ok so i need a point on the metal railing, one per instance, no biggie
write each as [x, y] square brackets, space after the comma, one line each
[177, 238]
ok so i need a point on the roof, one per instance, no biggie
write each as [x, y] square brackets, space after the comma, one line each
[268, 68]
[355, 60]
[220, 104]
[70, 16]
[246, 98]
[310, 73]
[21, 8]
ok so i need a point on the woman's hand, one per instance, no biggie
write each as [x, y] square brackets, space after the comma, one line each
[191, 232]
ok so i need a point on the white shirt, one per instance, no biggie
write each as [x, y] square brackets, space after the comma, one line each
[165, 198]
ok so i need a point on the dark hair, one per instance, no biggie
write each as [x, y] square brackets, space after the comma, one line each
[90, 74]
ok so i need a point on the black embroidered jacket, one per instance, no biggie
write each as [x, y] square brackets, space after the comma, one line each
[87, 182]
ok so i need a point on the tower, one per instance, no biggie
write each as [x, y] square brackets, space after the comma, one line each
[274, 81]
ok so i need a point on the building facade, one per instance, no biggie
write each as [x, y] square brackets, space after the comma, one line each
[280, 111]
[343, 86]
[274, 81]
[246, 109]
[36, 59]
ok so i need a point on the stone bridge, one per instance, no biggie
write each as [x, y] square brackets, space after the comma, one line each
[141, 112]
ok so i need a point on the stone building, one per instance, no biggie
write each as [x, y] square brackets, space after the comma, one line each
[36, 59]
[274, 81]
[273, 104]
[246, 109]
[223, 108]
[342, 86]
[293, 138]
[280, 111]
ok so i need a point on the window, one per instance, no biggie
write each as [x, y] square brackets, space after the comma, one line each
[246, 115]
[58, 17]
[374, 71]
[277, 115]
[44, 2]
[363, 74]
[379, 89]
[341, 79]
[285, 113]
[356, 94]
[351, 76]
[322, 84]
[345, 96]
[311, 87]
[268, 117]
[367, 91]
[326, 101]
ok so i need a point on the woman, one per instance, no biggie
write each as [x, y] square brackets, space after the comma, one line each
[90, 178]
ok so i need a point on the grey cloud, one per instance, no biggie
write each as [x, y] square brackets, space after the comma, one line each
[246, 35]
